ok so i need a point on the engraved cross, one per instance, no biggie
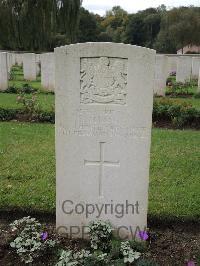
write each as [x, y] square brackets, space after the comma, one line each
[101, 163]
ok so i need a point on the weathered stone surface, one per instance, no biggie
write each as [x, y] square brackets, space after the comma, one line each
[184, 68]
[19, 59]
[3, 71]
[10, 62]
[104, 97]
[172, 64]
[48, 71]
[161, 74]
[195, 67]
[29, 66]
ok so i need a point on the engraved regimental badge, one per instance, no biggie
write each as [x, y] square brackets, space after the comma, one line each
[103, 80]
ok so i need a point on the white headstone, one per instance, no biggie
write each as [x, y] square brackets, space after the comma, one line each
[161, 74]
[104, 96]
[19, 59]
[184, 68]
[38, 58]
[13, 55]
[195, 67]
[172, 64]
[9, 61]
[3, 71]
[48, 71]
[29, 66]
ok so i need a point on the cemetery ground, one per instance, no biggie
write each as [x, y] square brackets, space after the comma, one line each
[27, 172]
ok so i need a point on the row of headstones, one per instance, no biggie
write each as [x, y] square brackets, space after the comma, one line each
[104, 102]
[186, 67]
[33, 65]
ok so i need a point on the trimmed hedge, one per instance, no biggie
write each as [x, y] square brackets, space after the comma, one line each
[8, 114]
[178, 114]
[22, 115]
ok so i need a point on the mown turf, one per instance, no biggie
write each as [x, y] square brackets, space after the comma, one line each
[27, 164]
[27, 170]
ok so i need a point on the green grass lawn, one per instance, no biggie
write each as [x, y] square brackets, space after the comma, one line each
[27, 170]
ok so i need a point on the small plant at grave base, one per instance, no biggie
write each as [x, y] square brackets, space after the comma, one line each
[143, 235]
[30, 242]
[11, 89]
[27, 89]
[82, 258]
[128, 253]
[30, 104]
[100, 235]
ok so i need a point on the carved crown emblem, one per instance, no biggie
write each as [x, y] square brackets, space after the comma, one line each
[103, 80]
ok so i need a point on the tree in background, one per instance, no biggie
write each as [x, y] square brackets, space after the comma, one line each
[143, 27]
[68, 14]
[114, 23]
[179, 27]
[36, 25]
[88, 27]
[41, 25]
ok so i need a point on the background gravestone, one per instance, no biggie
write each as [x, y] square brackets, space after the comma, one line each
[29, 66]
[19, 59]
[104, 98]
[161, 74]
[172, 63]
[3, 71]
[9, 61]
[184, 68]
[48, 71]
[195, 67]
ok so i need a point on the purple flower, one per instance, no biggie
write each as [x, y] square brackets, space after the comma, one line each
[143, 235]
[190, 263]
[44, 236]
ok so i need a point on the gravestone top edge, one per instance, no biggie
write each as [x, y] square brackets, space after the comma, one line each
[103, 44]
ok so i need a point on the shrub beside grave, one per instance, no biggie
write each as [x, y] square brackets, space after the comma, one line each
[25, 89]
[22, 115]
[180, 89]
[8, 114]
[178, 114]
